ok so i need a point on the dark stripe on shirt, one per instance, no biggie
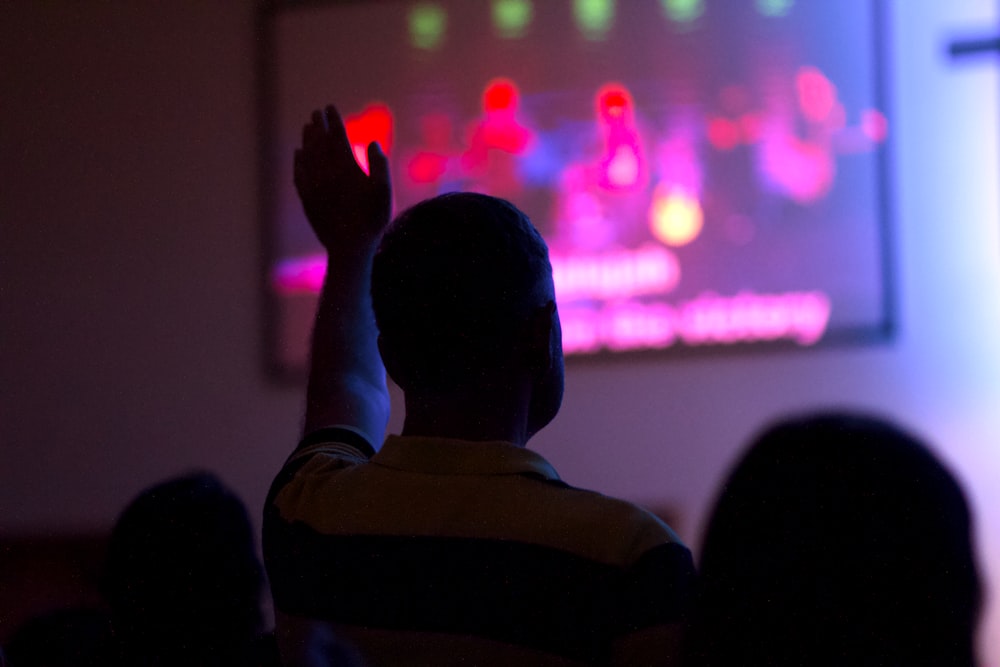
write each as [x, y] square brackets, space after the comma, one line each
[290, 469]
[519, 593]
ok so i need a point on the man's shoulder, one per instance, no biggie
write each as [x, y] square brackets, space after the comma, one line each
[337, 444]
[343, 441]
[319, 454]
[619, 524]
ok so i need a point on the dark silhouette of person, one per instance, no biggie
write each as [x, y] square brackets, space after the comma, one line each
[73, 637]
[451, 543]
[838, 539]
[183, 580]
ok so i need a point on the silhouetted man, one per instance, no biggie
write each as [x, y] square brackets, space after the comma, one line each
[450, 543]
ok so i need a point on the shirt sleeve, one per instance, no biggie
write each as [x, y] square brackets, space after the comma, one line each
[346, 448]
[658, 589]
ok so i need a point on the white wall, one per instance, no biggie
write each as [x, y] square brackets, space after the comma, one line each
[128, 258]
[129, 313]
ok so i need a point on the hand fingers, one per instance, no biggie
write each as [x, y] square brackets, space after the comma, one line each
[378, 169]
[336, 130]
[378, 177]
[299, 169]
[314, 131]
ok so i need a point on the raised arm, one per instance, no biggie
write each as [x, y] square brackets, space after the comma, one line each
[348, 211]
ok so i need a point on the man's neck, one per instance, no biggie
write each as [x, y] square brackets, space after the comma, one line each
[474, 418]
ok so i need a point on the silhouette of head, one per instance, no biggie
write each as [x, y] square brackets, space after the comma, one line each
[456, 283]
[183, 579]
[837, 540]
[74, 637]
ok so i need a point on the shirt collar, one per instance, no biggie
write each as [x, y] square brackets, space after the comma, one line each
[445, 456]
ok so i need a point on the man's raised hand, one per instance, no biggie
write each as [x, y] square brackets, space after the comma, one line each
[348, 209]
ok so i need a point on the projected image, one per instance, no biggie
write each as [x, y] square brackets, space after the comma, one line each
[705, 173]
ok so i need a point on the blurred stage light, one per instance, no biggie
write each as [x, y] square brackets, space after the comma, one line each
[594, 17]
[675, 217]
[775, 8]
[512, 17]
[427, 26]
[683, 11]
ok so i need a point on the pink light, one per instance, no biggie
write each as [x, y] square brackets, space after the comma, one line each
[426, 167]
[817, 96]
[723, 133]
[747, 317]
[622, 164]
[623, 168]
[837, 118]
[585, 225]
[361, 156]
[579, 330]
[801, 170]
[678, 162]
[875, 125]
[651, 269]
[675, 215]
[300, 275]
[632, 326]
[749, 127]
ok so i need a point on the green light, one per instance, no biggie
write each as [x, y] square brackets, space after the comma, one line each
[427, 26]
[511, 17]
[594, 17]
[774, 7]
[683, 11]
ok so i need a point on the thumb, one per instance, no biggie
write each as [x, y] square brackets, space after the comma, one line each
[378, 169]
[378, 175]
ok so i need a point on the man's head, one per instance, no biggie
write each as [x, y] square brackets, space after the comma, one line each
[462, 291]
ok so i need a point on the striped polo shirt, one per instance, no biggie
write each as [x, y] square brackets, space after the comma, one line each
[436, 551]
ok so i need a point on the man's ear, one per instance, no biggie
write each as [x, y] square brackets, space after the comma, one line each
[540, 331]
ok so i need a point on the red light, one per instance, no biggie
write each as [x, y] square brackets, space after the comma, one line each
[499, 129]
[427, 167]
[723, 134]
[374, 123]
[817, 96]
[436, 130]
[500, 95]
[875, 125]
[750, 127]
[613, 102]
